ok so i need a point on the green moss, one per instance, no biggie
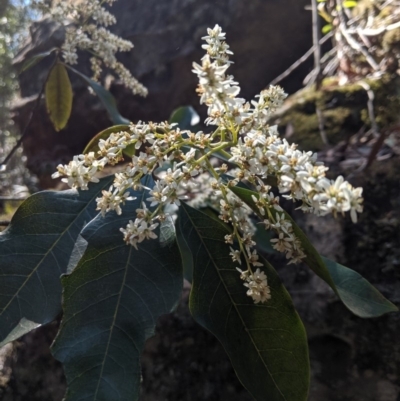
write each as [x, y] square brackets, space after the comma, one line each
[391, 39]
[344, 109]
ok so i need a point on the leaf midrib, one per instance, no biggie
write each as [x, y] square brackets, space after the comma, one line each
[235, 306]
[116, 310]
[113, 323]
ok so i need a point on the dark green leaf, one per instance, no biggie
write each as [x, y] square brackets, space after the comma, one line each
[58, 92]
[262, 237]
[106, 98]
[36, 59]
[186, 256]
[346, 283]
[35, 250]
[186, 117]
[111, 303]
[357, 293]
[266, 343]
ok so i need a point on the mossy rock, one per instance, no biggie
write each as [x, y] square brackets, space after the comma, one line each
[344, 108]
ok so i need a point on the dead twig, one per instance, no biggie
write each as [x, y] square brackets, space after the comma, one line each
[357, 47]
[375, 149]
[317, 47]
[300, 61]
[321, 126]
[370, 107]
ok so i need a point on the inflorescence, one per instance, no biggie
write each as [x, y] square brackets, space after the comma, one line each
[86, 25]
[254, 150]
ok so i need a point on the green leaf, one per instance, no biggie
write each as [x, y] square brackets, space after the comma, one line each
[266, 343]
[326, 28]
[24, 326]
[346, 283]
[35, 250]
[357, 293]
[262, 237]
[36, 59]
[58, 92]
[111, 303]
[93, 145]
[186, 117]
[186, 256]
[167, 232]
[105, 96]
[349, 4]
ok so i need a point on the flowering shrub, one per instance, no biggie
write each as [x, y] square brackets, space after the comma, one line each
[86, 29]
[85, 26]
[184, 206]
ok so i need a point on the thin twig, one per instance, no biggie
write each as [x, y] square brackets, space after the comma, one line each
[28, 123]
[321, 126]
[370, 107]
[5, 222]
[358, 48]
[375, 149]
[300, 61]
[317, 68]
[316, 44]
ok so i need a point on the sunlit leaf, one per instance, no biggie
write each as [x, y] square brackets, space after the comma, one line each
[326, 28]
[35, 250]
[267, 342]
[93, 145]
[58, 92]
[349, 4]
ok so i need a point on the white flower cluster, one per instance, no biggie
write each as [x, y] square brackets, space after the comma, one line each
[186, 160]
[86, 25]
[257, 285]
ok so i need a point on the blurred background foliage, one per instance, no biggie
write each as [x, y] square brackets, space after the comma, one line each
[15, 17]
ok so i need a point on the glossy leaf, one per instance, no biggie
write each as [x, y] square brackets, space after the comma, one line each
[266, 343]
[58, 93]
[36, 59]
[186, 117]
[357, 294]
[93, 145]
[105, 96]
[111, 303]
[35, 250]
